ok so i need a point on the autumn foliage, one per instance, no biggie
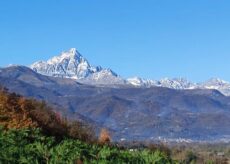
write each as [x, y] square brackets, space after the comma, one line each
[104, 137]
[14, 111]
[18, 112]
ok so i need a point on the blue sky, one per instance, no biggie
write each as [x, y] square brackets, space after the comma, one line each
[148, 38]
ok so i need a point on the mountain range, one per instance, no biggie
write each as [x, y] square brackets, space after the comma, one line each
[132, 109]
[71, 64]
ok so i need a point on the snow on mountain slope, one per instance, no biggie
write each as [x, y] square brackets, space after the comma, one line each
[215, 83]
[139, 82]
[180, 83]
[177, 83]
[218, 84]
[103, 77]
[71, 64]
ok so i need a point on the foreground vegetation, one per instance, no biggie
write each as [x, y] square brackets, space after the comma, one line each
[32, 132]
[31, 146]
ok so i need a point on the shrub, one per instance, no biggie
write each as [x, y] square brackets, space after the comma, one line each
[104, 137]
[31, 146]
[190, 157]
[163, 148]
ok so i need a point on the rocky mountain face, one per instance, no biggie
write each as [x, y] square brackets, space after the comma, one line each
[218, 84]
[180, 83]
[71, 64]
[176, 83]
[131, 113]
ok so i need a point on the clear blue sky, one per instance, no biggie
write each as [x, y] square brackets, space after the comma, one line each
[146, 38]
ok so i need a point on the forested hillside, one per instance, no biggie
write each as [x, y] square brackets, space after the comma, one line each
[30, 132]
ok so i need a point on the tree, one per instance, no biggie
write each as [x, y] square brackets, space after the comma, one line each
[104, 137]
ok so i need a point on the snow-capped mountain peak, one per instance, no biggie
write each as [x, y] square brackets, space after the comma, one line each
[72, 54]
[139, 82]
[182, 83]
[136, 81]
[216, 82]
[69, 64]
[177, 83]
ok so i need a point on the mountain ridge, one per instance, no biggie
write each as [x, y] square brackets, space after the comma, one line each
[132, 113]
[71, 64]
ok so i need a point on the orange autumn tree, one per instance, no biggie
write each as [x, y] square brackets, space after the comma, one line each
[18, 112]
[104, 137]
[14, 111]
